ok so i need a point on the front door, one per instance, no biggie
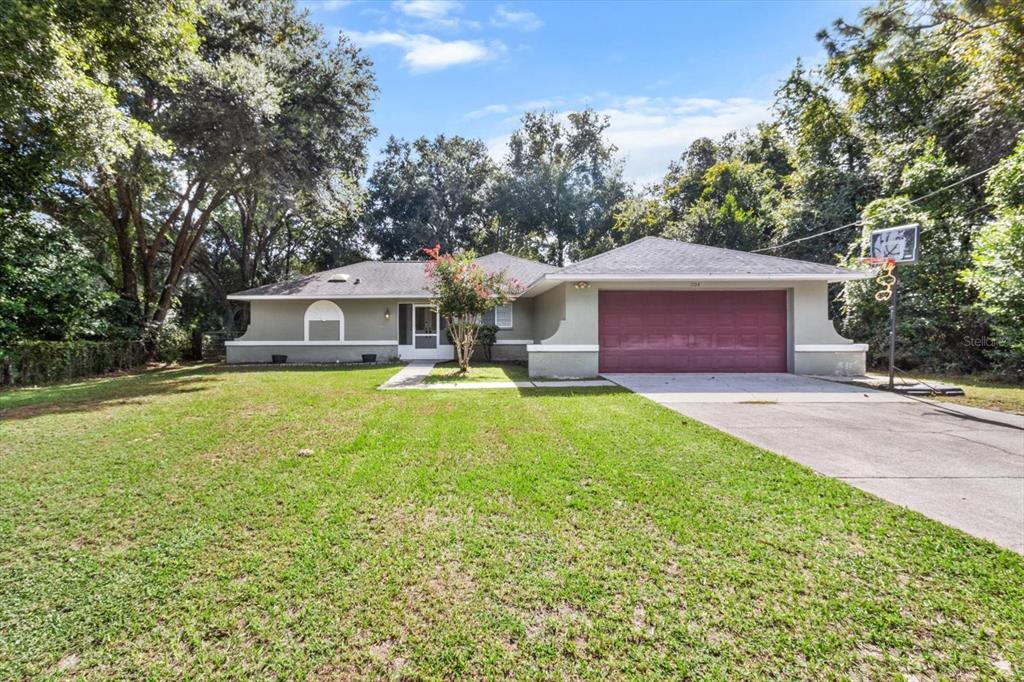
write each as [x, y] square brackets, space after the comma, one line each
[426, 337]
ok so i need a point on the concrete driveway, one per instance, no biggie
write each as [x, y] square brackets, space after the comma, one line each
[961, 466]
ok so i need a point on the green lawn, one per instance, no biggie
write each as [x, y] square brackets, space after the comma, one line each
[987, 394]
[295, 523]
[478, 371]
[992, 395]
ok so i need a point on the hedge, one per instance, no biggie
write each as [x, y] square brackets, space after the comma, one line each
[39, 362]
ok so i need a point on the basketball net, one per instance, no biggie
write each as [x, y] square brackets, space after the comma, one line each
[885, 278]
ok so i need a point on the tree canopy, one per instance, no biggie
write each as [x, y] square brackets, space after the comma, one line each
[194, 148]
[997, 263]
[559, 183]
[67, 68]
[239, 116]
[429, 192]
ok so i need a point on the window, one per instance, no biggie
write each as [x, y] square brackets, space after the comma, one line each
[503, 316]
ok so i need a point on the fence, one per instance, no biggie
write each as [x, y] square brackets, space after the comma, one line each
[39, 362]
[213, 349]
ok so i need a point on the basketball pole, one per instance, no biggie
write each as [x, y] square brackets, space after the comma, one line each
[892, 332]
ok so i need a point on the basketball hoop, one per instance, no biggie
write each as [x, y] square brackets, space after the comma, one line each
[878, 261]
[886, 279]
[886, 248]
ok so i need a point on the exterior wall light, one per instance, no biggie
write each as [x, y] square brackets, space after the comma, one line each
[387, 313]
[582, 285]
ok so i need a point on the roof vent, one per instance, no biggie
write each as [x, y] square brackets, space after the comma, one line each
[339, 277]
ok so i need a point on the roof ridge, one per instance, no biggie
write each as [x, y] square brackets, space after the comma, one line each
[679, 242]
[519, 258]
[759, 255]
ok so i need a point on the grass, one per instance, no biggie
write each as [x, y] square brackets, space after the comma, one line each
[288, 523]
[988, 394]
[478, 371]
[992, 395]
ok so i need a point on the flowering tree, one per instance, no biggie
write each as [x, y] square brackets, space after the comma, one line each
[462, 292]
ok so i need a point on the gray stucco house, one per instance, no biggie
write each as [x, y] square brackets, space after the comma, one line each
[654, 305]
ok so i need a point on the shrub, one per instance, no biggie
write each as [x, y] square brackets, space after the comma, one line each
[998, 265]
[486, 336]
[37, 362]
[172, 343]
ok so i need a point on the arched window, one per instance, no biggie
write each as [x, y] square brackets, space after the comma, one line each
[324, 321]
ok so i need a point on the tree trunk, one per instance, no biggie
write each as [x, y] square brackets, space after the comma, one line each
[208, 270]
[118, 215]
[185, 245]
[129, 285]
[464, 339]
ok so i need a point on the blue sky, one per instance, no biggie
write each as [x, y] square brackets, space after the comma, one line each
[665, 73]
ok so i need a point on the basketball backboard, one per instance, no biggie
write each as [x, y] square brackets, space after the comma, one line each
[896, 243]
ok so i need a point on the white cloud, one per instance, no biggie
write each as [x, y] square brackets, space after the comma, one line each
[522, 19]
[488, 110]
[518, 109]
[436, 13]
[535, 104]
[425, 52]
[650, 131]
[427, 9]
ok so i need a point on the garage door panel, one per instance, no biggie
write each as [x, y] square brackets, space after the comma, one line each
[751, 319]
[631, 342]
[699, 341]
[726, 341]
[684, 331]
[749, 341]
[657, 341]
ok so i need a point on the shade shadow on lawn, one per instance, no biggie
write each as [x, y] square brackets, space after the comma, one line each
[96, 393]
[299, 523]
[541, 391]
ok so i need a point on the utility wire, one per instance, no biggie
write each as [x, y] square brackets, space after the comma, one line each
[861, 222]
[810, 236]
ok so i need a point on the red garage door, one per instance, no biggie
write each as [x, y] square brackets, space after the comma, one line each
[692, 331]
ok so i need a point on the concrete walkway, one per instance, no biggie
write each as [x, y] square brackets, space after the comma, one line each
[958, 465]
[412, 375]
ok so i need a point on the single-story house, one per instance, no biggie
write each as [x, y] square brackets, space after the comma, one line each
[654, 305]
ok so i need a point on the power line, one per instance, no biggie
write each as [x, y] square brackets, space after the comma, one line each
[810, 236]
[861, 222]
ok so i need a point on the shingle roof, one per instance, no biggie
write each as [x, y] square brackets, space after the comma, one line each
[368, 278]
[660, 256]
[389, 278]
[526, 271]
[651, 256]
